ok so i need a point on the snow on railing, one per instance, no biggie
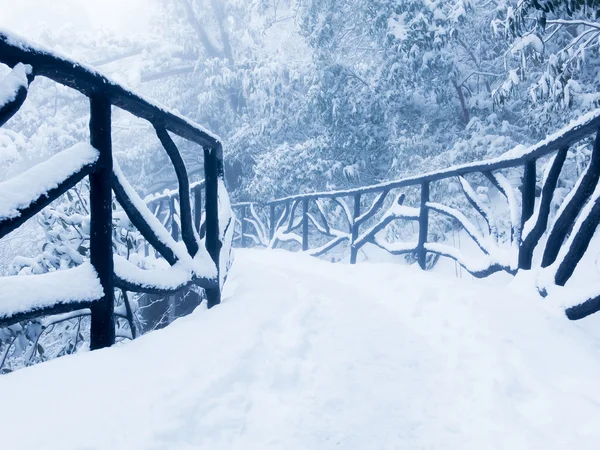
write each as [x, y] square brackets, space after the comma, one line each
[24, 297]
[21, 196]
[195, 251]
[507, 246]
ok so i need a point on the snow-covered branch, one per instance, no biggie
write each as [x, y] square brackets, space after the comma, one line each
[482, 209]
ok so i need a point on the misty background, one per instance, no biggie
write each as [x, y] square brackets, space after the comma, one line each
[314, 94]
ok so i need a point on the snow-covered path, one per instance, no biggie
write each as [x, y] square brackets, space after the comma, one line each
[304, 354]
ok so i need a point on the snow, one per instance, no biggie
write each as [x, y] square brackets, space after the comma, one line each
[396, 247]
[568, 297]
[471, 264]
[21, 191]
[11, 83]
[303, 354]
[531, 40]
[169, 278]
[29, 292]
[168, 193]
[469, 227]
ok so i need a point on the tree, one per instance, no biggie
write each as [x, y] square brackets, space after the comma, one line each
[551, 59]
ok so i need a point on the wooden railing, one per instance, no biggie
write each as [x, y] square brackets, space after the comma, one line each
[105, 177]
[371, 209]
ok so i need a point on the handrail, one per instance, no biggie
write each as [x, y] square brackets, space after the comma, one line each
[274, 222]
[105, 177]
[90, 82]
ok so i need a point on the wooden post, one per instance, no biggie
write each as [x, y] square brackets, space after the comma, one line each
[563, 224]
[423, 226]
[243, 221]
[213, 170]
[197, 207]
[102, 331]
[174, 226]
[354, 230]
[271, 222]
[304, 224]
[528, 192]
[536, 231]
[186, 225]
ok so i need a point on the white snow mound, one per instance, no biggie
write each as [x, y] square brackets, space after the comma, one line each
[305, 354]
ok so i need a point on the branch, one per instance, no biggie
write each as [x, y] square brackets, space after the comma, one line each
[482, 269]
[263, 230]
[291, 226]
[584, 23]
[209, 47]
[505, 188]
[534, 228]
[464, 222]
[349, 216]
[395, 212]
[478, 206]
[331, 244]
[186, 225]
[14, 88]
[572, 205]
[141, 217]
[153, 76]
[375, 207]
[321, 210]
[396, 248]
[279, 224]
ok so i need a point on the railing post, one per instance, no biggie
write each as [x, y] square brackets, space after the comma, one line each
[243, 221]
[213, 171]
[354, 231]
[271, 222]
[102, 330]
[198, 207]
[174, 226]
[528, 191]
[304, 224]
[423, 226]
[564, 222]
[527, 208]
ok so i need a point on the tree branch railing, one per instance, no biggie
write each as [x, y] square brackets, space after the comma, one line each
[203, 259]
[503, 247]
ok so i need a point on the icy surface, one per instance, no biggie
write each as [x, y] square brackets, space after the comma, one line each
[309, 355]
[27, 292]
[11, 83]
[19, 192]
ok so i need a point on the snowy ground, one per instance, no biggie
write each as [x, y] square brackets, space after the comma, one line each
[305, 354]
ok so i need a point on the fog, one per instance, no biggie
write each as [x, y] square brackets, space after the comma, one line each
[30, 17]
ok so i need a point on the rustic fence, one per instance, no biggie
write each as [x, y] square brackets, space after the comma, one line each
[309, 221]
[91, 286]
